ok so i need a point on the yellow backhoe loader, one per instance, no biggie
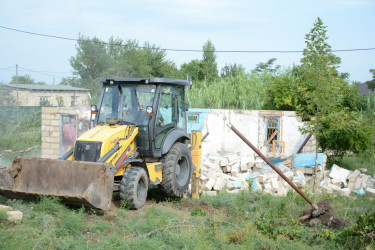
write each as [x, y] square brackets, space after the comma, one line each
[138, 139]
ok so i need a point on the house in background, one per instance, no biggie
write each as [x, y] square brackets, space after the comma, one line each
[364, 90]
[43, 95]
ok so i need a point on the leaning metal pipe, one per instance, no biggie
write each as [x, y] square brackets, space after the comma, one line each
[271, 165]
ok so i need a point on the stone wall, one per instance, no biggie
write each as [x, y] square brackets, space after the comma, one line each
[252, 123]
[51, 127]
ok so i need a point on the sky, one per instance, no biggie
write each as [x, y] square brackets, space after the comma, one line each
[266, 25]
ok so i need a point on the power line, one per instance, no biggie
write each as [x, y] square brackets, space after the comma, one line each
[181, 50]
[12, 67]
[44, 72]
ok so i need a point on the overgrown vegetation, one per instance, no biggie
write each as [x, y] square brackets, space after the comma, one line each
[246, 220]
[20, 132]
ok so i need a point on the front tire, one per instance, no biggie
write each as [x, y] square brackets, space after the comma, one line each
[176, 171]
[134, 187]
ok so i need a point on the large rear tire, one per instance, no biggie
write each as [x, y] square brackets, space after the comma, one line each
[176, 171]
[134, 186]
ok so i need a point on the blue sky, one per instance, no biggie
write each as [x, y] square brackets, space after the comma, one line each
[229, 24]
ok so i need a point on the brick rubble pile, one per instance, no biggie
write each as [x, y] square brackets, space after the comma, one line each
[233, 174]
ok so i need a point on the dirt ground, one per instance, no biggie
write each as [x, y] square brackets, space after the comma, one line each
[326, 216]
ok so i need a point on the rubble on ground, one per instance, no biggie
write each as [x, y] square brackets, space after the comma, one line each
[12, 216]
[233, 174]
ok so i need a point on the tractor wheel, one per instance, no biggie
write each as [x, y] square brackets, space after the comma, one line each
[176, 171]
[134, 186]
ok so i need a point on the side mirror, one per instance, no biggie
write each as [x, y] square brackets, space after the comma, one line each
[186, 106]
[94, 111]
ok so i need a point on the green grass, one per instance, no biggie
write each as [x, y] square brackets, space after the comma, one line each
[356, 162]
[246, 220]
[19, 134]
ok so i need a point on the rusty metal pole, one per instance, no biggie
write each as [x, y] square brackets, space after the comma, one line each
[271, 165]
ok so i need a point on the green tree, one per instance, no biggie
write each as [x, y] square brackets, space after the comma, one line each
[324, 98]
[371, 84]
[232, 70]
[205, 69]
[193, 69]
[209, 64]
[25, 79]
[117, 58]
[267, 66]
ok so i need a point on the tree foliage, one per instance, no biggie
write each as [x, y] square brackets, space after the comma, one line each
[25, 79]
[117, 58]
[324, 97]
[204, 69]
[232, 70]
[267, 67]
[371, 84]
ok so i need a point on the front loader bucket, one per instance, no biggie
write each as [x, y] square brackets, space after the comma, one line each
[75, 182]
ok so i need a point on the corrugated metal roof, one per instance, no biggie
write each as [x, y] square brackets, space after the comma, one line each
[44, 87]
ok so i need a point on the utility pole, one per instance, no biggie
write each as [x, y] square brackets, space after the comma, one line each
[17, 82]
[18, 117]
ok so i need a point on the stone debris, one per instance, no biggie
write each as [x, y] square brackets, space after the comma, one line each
[5, 208]
[233, 174]
[12, 215]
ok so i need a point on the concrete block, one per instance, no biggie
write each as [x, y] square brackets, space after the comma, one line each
[209, 193]
[365, 179]
[319, 168]
[288, 163]
[309, 170]
[327, 190]
[282, 167]
[267, 186]
[230, 185]
[281, 191]
[300, 169]
[289, 175]
[370, 191]
[351, 184]
[224, 162]
[14, 215]
[356, 173]
[203, 178]
[219, 184]
[258, 164]
[274, 184]
[272, 175]
[5, 208]
[262, 179]
[211, 174]
[371, 183]
[243, 168]
[234, 172]
[250, 165]
[338, 173]
[208, 164]
[245, 185]
[209, 185]
[334, 187]
[357, 184]
[300, 174]
[345, 192]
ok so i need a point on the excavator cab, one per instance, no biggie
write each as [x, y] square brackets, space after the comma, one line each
[138, 139]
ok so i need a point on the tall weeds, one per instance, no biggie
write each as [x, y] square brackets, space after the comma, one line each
[246, 91]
